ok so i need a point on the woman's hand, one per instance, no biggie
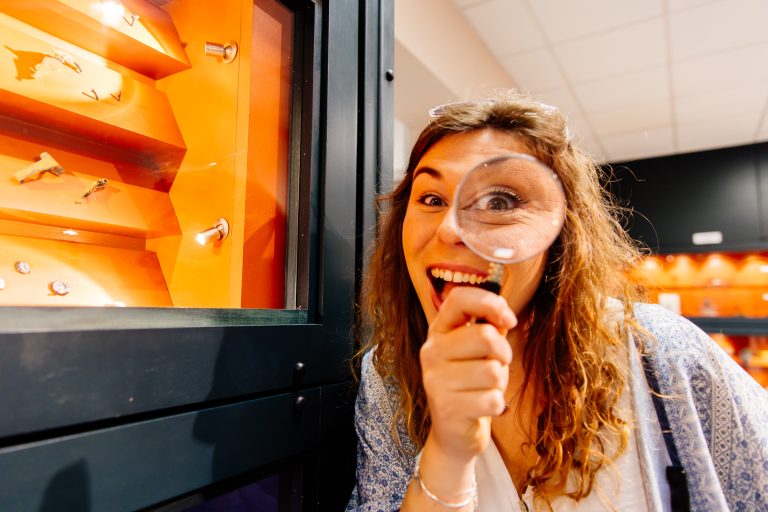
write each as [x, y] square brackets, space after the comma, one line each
[465, 369]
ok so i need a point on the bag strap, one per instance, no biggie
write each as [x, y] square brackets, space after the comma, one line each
[676, 477]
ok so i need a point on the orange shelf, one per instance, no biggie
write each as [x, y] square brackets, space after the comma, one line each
[121, 208]
[150, 46]
[96, 275]
[128, 114]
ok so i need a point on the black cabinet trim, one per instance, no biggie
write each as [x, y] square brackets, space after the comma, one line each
[736, 326]
[137, 465]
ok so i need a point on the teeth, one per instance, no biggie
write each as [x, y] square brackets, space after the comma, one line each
[456, 277]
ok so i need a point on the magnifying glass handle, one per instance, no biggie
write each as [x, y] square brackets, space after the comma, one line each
[492, 284]
[495, 275]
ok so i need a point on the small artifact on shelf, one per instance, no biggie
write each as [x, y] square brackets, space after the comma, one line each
[92, 94]
[67, 60]
[2, 283]
[22, 267]
[46, 164]
[56, 60]
[59, 287]
[93, 187]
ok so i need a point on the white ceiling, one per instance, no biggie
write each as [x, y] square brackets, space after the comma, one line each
[636, 78]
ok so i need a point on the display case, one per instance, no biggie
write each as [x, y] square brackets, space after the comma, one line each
[726, 294]
[147, 153]
[186, 197]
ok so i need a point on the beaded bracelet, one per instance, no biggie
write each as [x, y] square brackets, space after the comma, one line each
[447, 504]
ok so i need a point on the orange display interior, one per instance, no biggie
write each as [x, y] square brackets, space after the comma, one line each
[751, 352]
[716, 285]
[156, 141]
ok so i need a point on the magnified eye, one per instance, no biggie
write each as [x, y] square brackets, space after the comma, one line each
[498, 200]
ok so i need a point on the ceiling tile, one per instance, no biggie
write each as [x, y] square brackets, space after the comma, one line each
[747, 101]
[562, 99]
[534, 70]
[584, 139]
[727, 131]
[716, 27]
[639, 115]
[592, 148]
[644, 144]
[615, 92]
[679, 5]
[723, 70]
[467, 3]
[491, 22]
[562, 21]
[619, 51]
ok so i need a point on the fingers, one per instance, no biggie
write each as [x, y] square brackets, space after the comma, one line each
[465, 303]
[469, 404]
[473, 341]
[476, 375]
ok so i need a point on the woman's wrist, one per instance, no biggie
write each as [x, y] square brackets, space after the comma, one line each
[449, 478]
[466, 498]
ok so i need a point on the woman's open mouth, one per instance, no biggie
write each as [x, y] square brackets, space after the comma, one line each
[444, 280]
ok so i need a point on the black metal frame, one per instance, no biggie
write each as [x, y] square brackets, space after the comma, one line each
[103, 415]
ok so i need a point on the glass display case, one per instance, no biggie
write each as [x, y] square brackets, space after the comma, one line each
[151, 154]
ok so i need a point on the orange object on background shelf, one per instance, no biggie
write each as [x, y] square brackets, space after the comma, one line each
[716, 270]
[681, 271]
[725, 342]
[753, 271]
[651, 271]
[712, 285]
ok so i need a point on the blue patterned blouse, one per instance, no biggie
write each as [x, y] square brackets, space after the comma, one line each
[718, 415]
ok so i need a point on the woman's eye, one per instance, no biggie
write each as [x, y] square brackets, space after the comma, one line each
[431, 200]
[500, 202]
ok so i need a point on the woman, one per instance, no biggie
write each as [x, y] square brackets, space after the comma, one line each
[545, 404]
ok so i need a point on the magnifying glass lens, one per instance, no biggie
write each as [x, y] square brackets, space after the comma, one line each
[510, 208]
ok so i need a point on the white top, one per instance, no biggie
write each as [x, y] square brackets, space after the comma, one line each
[617, 488]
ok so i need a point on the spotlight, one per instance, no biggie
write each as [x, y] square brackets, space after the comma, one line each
[111, 12]
[218, 232]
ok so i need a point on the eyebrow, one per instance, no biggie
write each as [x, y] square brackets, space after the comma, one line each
[427, 170]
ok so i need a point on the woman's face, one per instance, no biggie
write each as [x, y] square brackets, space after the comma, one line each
[434, 252]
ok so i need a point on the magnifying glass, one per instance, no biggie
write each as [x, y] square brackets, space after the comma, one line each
[509, 209]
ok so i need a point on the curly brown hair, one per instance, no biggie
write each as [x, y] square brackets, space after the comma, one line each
[574, 361]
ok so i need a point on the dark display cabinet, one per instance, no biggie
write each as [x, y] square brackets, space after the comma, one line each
[704, 217]
[706, 201]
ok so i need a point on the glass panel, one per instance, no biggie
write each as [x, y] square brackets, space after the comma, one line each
[146, 148]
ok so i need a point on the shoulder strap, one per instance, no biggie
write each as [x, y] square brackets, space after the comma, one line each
[678, 482]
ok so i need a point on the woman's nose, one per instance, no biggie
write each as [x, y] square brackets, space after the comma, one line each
[448, 231]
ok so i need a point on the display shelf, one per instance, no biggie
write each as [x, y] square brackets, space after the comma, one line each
[732, 325]
[120, 209]
[96, 275]
[95, 103]
[148, 44]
